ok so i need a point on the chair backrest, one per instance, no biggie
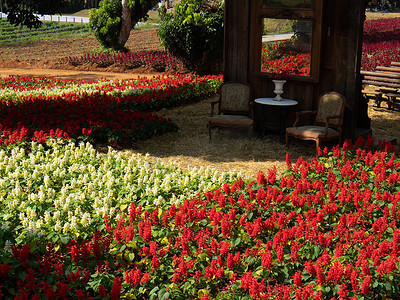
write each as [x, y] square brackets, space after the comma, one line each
[235, 98]
[330, 104]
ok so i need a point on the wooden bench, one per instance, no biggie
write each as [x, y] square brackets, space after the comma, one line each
[386, 81]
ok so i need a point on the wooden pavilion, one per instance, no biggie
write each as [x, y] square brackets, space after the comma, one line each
[335, 45]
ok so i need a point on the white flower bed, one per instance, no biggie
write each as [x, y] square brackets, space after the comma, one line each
[65, 191]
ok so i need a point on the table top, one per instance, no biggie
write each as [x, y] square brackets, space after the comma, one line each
[272, 102]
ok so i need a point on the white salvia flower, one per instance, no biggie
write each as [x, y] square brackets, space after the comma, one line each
[111, 211]
[17, 191]
[62, 173]
[51, 193]
[151, 179]
[64, 191]
[58, 203]
[85, 178]
[24, 222]
[35, 174]
[66, 227]
[12, 204]
[7, 246]
[154, 190]
[30, 213]
[29, 183]
[97, 203]
[209, 186]
[42, 196]
[85, 221]
[74, 183]
[22, 205]
[148, 190]
[56, 215]
[74, 222]
[159, 201]
[47, 217]
[78, 211]
[32, 233]
[186, 182]
[57, 226]
[47, 181]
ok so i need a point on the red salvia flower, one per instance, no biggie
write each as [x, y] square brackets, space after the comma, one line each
[102, 291]
[365, 285]
[4, 270]
[116, 289]
[297, 279]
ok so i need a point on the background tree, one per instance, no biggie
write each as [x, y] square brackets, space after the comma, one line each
[384, 4]
[22, 12]
[194, 32]
[113, 21]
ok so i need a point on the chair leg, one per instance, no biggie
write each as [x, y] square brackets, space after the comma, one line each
[250, 133]
[287, 140]
[317, 142]
[209, 129]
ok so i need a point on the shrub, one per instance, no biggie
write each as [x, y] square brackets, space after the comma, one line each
[105, 22]
[194, 32]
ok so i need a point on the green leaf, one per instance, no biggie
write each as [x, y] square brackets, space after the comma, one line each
[236, 242]
[131, 256]
[64, 239]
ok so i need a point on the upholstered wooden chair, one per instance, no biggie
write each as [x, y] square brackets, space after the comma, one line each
[327, 124]
[235, 109]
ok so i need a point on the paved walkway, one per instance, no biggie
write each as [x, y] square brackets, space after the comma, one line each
[277, 37]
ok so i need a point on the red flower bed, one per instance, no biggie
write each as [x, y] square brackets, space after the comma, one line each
[116, 111]
[160, 60]
[327, 229]
[381, 43]
[381, 46]
[280, 58]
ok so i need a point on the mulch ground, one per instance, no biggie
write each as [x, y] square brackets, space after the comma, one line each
[190, 147]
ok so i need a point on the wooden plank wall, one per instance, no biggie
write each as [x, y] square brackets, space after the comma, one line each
[341, 58]
[237, 39]
[341, 42]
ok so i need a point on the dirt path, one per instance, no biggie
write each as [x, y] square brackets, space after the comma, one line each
[71, 74]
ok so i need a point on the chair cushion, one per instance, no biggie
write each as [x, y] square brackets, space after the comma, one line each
[312, 132]
[329, 105]
[231, 120]
[235, 97]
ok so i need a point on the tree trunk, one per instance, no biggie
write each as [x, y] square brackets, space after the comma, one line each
[126, 24]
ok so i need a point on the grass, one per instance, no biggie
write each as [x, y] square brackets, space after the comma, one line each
[85, 13]
[277, 26]
[10, 34]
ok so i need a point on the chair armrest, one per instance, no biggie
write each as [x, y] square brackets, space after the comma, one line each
[251, 109]
[303, 113]
[212, 107]
[327, 123]
[332, 117]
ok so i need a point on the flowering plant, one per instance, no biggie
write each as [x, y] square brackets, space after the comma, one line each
[107, 110]
[381, 43]
[159, 60]
[380, 47]
[282, 61]
[325, 229]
